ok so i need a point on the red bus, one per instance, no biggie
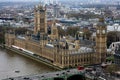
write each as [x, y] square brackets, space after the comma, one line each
[80, 68]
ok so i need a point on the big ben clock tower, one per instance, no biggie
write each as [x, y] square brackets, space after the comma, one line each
[101, 49]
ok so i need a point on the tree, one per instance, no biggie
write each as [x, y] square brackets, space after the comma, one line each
[87, 15]
[110, 58]
[112, 68]
[3, 29]
[72, 31]
[20, 30]
[87, 34]
[61, 32]
[1, 37]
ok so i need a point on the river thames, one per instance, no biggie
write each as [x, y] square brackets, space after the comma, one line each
[13, 65]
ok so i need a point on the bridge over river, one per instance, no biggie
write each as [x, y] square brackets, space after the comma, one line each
[71, 74]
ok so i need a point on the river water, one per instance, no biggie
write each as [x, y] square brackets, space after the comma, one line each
[13, 65]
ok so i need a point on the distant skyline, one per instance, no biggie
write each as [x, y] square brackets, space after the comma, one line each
[59, 0]
[18, 0]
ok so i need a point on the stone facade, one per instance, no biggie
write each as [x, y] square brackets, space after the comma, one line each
[101, 48]
[60, 57]
[40, 19]
[63, 58]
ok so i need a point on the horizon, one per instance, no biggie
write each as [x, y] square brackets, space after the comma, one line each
[54, 0]
[20, 1]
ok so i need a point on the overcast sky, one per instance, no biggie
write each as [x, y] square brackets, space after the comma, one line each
[18, 0]
[58, 0]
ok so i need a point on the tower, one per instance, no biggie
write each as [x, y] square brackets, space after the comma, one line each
[40, 20]
[101, 48]
[54, 31]
[9, 38]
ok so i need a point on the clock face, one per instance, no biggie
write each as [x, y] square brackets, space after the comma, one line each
[103, 31]
[98, 31]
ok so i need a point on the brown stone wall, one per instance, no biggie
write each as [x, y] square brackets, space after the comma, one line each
[66, 58]
[33, 46]
[60, 57]
[9, 39]
[48, 53]
[36, 48]
[20, 43]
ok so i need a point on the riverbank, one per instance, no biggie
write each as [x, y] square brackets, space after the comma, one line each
[36, 58]
[12, 62]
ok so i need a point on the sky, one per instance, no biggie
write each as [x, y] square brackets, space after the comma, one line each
[58, 0]
[18, 0]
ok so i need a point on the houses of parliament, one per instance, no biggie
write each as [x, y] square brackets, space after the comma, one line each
[63, 52]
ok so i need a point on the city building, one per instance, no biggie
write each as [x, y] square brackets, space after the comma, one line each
[64, 52]
[115, 47]
[117, 58]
